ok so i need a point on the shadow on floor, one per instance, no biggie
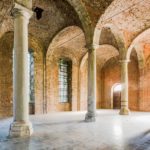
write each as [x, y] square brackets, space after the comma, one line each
[59, 123]
[141, 142]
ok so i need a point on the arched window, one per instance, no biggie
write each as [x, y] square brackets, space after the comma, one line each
[32, 81]
[65, 74]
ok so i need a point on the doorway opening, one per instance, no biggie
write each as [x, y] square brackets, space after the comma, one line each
[116, 96]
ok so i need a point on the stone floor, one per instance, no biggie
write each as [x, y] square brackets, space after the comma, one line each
[68, 131]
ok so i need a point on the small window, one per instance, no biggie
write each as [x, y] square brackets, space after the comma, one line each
[64, 80]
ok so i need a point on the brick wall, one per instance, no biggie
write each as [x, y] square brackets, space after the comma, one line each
[53, 103]
[111, 75]
[6, 87]
[83, 85]
[144, 92]
[6, 75]
[144, 81]
[133, 84]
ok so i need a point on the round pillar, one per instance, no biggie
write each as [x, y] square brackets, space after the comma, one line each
[124, 83]
[91, 109]
[21, 125]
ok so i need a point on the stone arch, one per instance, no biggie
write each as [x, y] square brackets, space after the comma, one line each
[85, 19]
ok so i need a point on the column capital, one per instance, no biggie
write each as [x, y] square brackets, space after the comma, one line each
[124, 61]
[19, 10]
[25, 3]
[90, 47]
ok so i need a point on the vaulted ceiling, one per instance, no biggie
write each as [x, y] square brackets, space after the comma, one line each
[57, 15]
[129, 17]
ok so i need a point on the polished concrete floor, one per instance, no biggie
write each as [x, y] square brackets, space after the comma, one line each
[68, 131]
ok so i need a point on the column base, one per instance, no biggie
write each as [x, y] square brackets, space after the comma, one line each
[124, 111]
[90, 118]
[20, 129]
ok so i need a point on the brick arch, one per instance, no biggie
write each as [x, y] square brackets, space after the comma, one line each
[84, 18]
[52, 80]
[6, 92]
[58, 40]
[139, 49]
[70, 43]
[112, 36]
[80, 9]
[106, 52]
[63, 53]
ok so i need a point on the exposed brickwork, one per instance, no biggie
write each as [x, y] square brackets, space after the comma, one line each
[98, 89]
[69, 43]
[144, 92]
[6, 74]
[120, 23]
[133, 84]
[129, 17]
[111, 75]
[53, 103]
[144, 84]
[6, 97]
[38, 49]
[83, 85]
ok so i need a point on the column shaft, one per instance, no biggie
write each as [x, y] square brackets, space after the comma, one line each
[21, 125]
[90, 116]
[21, 69]
[124, 93]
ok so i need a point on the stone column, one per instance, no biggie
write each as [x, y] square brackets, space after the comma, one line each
[90, 116]
[21, 125]
[124, 93]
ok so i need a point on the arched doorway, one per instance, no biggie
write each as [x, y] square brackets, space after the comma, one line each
[116, 96]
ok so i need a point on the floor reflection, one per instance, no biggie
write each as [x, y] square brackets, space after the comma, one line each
[68, 131]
